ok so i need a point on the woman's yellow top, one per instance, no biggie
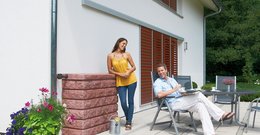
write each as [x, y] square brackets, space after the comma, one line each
[121, 66]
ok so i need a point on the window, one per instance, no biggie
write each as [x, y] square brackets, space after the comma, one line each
[174, 6]
[171, 4]
[155, 48]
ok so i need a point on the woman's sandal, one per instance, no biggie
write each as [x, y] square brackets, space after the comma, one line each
[128, 127]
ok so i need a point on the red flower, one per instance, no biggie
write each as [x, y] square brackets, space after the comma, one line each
[50, 107]
[71, 118]
[54, 93]
[228, 81]
[27, 104]
[45, 104]
[45, 90]
[39, 110]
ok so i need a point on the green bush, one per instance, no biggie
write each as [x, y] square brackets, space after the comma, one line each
[249, 98]
[241, 86]
[194, 85]
[45, 118]
[208, 86]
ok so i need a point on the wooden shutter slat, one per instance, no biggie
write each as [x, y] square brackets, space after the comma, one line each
[146, 65]
[157, 49]
[174, 56]
[166, 52]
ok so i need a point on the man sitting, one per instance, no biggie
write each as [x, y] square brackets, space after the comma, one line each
[167, 86]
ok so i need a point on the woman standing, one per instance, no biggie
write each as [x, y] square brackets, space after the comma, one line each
[118, 63]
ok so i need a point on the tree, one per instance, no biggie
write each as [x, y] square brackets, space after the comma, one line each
[233, 39]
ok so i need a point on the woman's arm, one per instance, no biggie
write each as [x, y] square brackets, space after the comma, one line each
[131, 62]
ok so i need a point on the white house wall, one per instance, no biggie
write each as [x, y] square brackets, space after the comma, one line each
[24, 54]
[85, 37]
[190, 27]
[147, 11]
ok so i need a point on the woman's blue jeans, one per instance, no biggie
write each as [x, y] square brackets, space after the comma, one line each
[130, 90]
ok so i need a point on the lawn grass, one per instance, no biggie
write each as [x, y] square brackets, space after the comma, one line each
[241, 86]
[247, 86]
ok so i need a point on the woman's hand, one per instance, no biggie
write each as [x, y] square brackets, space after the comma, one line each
[125, 75]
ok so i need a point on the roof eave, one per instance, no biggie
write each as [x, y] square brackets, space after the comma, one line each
[211, 4]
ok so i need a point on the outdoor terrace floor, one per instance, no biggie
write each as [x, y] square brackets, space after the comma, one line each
[142, 122]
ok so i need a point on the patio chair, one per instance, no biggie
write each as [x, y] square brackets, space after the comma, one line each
[226, 84]
[163, 105]
[254, 106]
[185, 81]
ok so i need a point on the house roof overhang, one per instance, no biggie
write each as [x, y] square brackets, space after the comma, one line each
[211, 4]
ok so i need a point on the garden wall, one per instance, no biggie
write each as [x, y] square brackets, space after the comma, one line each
[92, 98]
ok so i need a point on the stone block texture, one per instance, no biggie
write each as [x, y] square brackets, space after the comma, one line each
[92, 98]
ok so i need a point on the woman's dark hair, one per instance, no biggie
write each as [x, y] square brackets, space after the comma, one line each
[117, 44]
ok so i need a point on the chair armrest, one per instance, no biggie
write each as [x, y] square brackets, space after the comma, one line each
[166, 97]
[170, 97]
[255, 100]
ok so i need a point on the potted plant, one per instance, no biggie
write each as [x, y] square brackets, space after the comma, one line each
[45, 118]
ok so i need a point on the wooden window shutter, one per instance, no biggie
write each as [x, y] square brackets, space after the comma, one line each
[146, 65]
[173, 5]
[157, 49]
[174, 56]
[167, 2]
[167, 52]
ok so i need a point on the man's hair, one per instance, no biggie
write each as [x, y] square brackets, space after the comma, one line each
[161, 65]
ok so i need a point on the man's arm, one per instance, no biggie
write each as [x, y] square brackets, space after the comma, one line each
[168, 92]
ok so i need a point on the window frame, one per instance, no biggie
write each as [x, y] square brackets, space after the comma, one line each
[176, 12]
